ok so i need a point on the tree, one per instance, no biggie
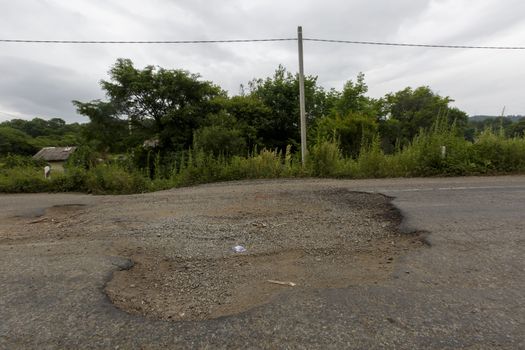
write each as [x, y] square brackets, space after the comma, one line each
[39, 127]
[220, 136]
[353, 99]
[389, 131]
[251, 116]
[352, 119]
[106, 131]
[518, 129]
[351, 131]
[15, 141]
[419, 109]
[506, 124]
[157, 102]
[280, 94]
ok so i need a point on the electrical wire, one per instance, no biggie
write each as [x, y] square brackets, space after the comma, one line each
[355, 42]
[416, 45]
[142, 41]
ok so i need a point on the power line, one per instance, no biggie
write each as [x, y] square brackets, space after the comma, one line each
[355, 42]
[416, 45]
[26, 41]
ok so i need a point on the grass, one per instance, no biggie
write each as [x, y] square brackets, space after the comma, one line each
[490, 153]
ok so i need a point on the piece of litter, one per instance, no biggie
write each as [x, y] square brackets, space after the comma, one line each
[239, 249]
[291, 284]
[37, 221]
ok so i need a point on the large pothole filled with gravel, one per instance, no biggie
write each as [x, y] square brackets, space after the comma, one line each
[185, 267]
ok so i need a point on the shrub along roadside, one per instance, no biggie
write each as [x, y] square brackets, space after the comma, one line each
[490, 153]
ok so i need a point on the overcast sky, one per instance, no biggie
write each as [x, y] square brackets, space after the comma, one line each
[42, 80]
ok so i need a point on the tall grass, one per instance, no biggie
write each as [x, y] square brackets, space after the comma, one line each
[490, 153]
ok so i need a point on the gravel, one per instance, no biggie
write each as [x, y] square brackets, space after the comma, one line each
[174, 249]
[186, 268]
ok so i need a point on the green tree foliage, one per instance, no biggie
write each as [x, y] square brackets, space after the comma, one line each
[251, 116]
[83, 158]
[15, 141]
[106, 131]
[169, 104]
[352, 119]
[419, 108]
[353, 99]
[280, 94]
[510, 126]
[518, 129]
[52, 132]
[390, 131]
[220, 136]
[38, 127]
[351, 131]
[181, 111]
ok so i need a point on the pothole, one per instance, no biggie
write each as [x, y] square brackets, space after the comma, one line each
[326, 250]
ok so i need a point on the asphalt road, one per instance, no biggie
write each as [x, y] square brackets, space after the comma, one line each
[466, 290]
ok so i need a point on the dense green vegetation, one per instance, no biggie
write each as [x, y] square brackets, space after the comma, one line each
[26, 137]
[512, 126]
[490, 153]
[196, 133]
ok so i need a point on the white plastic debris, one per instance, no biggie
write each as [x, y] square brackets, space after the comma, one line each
[283, 283]
[239, 249]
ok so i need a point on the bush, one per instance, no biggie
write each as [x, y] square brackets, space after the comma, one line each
[83, 157]
[423, 156]
[15, 160]
[494, 153]
[111, 179]
[73, 180]
[217, 139]
[24, 180]
[15, 141]
[267, 164]
[324, 159]
[372, 161]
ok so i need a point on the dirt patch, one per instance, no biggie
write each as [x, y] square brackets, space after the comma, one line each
[55, 222]
[186, 269]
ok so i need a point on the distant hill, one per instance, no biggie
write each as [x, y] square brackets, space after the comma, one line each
[481, 118]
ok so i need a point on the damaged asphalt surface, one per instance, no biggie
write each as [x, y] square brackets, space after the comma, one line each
[463, 291]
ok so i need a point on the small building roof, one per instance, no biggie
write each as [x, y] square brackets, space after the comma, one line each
[151, 143]
[55, 153]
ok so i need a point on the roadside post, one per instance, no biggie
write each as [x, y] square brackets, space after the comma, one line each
[47, 172]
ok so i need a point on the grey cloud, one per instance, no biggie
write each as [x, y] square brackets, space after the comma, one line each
[43, 79]
[36, 89]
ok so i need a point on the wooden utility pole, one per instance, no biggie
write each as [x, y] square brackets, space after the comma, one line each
[302, 106]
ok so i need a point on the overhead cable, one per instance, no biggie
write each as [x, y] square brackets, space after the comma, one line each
[355, 42]
[142, 41]
[379, 43]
